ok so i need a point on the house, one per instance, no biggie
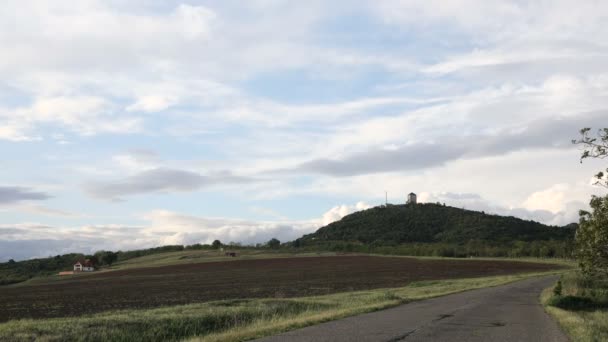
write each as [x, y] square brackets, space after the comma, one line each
[411, 198]
[84, 266]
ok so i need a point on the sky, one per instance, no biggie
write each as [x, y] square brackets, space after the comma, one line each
[132, 124]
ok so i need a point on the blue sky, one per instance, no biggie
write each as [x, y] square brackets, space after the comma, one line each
[130, 124]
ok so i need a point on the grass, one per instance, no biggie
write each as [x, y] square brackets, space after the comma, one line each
[581, 309]
[234, 320]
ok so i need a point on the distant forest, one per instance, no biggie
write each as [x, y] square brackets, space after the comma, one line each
[439, 230]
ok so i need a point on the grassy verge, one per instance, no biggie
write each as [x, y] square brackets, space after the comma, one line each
[581, 309]
[234, 320]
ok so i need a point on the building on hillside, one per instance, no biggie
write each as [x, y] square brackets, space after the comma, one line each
[84, 266]
[411, 198]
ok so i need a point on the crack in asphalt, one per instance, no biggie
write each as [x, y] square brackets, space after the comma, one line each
[402, 337]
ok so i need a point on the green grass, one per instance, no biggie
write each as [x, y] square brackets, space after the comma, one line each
[233, 320]
[582, 309]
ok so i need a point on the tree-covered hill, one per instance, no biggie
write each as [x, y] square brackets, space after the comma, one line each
[433, 223]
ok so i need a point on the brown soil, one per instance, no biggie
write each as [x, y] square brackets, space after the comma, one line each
[194, 283]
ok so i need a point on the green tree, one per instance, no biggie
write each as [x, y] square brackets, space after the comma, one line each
[592, 238]
[217, 244]
[105, 257]
[93, 258]
[274, 243]
[110, 258]
[592, 234]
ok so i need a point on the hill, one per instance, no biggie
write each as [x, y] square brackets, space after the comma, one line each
[434, 223]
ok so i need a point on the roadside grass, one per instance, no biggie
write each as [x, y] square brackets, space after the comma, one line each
[235, 320]
[582, 308]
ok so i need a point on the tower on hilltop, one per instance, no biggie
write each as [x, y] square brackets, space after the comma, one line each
[411, 198]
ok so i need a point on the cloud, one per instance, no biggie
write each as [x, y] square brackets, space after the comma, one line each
[85, 115]
[160, 180]
[557, 211]
[13, 194]
[31, 240]
[163, 227]
[337, 213]
[546, 133]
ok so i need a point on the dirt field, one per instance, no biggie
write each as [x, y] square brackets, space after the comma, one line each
[190, 283]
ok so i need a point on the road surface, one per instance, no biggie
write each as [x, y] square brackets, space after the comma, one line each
[510, 312]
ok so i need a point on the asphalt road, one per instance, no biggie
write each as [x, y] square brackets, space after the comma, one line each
[510, 312]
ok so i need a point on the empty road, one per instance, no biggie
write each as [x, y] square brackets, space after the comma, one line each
[510, 312]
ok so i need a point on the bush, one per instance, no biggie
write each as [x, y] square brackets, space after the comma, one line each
[557, 290]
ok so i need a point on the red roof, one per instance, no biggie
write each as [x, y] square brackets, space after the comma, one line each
[85, 263]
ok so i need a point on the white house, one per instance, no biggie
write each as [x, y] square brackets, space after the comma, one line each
[84, 266]
[411, 198]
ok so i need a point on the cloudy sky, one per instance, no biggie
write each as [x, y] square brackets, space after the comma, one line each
[128, 124]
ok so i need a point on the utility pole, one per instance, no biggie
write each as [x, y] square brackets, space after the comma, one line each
[386, 198]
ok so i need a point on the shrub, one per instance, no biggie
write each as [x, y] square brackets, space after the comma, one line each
[557, 290]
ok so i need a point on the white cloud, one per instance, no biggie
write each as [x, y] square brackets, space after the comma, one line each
[337, 213]
[152, 103]
[552, 199]
[85, 115]
[163, 227]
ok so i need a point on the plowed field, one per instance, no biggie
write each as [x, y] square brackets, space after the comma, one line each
[192, 283]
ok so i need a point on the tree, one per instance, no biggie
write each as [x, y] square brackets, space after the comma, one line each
[595, 147]
[105, 257]
[110, 258]
[217, 244]
[94, 259]
[592, 234]
[274, 243]
[592, 238]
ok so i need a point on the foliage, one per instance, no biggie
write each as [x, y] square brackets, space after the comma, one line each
[592, 235]
[122, 256]
[274, 243]
[595, 147]
[581, 310]
[106, 258]
[18, 271]
[581, 293]
[217, 244]
[460, 232]
[473, 248]
[592, 238]
[557, 290]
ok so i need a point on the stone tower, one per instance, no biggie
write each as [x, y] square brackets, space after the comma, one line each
[411, 198]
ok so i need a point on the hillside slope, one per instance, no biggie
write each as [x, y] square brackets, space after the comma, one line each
[397, 224]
